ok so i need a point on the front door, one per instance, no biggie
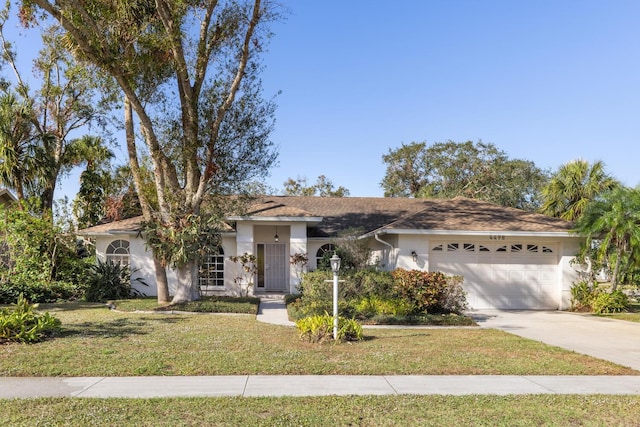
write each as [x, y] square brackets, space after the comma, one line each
[273, 267]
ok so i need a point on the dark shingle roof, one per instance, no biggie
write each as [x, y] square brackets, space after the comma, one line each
[368, 214]
[373, 213]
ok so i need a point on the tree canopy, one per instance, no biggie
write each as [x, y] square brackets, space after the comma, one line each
[611, 225]
[49, 129]
[573, 187]
[189, 72]
[450, 169]
[323, 187]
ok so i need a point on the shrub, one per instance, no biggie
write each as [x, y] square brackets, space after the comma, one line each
[314, 286]
[319, 328]
[38, 292]
[368, 282]
[110, 281]
[20, 323]
[217, 304]
[430, 292]
[582, 295]
[371, 306]
[613, 302]
[452, 298]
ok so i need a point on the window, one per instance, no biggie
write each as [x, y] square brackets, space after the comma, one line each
[211, 271]
[483, 248]
[118, 252]
[329, 248]
[453, 247]
[502, 248]
[516, 248]
[532, 248]
[469, 247]
[547, 250]
[437, 248]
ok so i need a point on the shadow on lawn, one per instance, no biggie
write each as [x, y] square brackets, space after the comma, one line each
[71, 306]
[117, 328]
[400, 336]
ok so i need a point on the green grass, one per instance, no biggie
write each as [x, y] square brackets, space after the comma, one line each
[537, 410]
[96, 341]
[631, 315]
[217, 304]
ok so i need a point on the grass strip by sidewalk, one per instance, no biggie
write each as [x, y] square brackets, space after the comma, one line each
[536, 410]
[99, 342]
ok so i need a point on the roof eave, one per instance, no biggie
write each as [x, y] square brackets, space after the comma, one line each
[315, 219]
[472, 233]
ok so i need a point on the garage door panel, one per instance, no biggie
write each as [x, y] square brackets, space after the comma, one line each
[503, 280]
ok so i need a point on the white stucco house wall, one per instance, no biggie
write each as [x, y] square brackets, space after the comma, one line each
[6, 197]
[509, 258]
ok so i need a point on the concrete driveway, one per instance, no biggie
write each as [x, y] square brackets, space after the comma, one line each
[613, 340]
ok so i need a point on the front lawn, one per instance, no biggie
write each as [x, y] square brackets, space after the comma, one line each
[632, 314]
[96, 341]
[538, 410]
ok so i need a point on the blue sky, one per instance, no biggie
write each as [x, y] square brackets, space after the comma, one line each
[546, 80]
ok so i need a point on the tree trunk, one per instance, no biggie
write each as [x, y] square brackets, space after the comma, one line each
[616, 270]
[187, 288]
[162, 284]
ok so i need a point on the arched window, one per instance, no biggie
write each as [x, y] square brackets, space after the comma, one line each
[211, 273]
[329, 248]
[118, 252]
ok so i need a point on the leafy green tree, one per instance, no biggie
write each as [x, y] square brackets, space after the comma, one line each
[17, 147]
[89, 204]
[323, 187]
[220, 125]
[65, 104]
[611, 223]
[407, 171]
[573, 187]
[452, 169]
[37, 259]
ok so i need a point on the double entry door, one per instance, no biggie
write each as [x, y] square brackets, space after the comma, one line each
[273, 267]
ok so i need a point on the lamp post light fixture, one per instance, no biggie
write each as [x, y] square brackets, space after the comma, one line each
[335, 267]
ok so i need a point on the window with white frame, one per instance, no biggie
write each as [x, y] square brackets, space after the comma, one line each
[328, 248]
[118, 252]
[211, 272]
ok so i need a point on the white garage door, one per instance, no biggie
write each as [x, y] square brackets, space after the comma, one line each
[521, 275]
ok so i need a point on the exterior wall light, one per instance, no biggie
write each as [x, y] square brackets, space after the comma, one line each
[414, 255]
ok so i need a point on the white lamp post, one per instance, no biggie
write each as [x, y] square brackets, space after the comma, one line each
[335, 267]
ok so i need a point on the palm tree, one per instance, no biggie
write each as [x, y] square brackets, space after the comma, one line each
[573, 187]
[18, 165]
[613, 222]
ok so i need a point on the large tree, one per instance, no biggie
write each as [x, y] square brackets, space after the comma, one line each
[573, 187]
[450, 169]
[17, 146]
[611, 225]
[323, 187]
[63, 107]
[201, 57]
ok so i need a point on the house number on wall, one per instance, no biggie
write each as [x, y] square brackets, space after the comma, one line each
[496, 237]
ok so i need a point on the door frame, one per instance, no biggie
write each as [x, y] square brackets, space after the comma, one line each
[270, 283]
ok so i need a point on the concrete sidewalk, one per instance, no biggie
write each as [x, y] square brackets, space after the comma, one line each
[273, 310]
[312, 385]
